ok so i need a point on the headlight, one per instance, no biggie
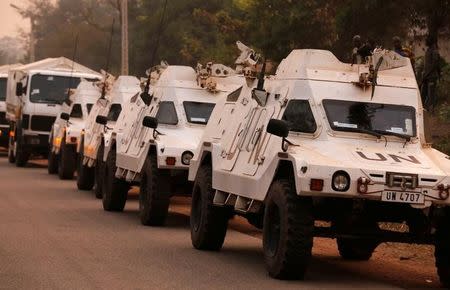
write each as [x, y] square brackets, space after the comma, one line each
[340, 181]
[186, 157]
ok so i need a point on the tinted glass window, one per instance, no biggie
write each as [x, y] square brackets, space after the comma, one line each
[167, 113]
[299, 116]
[358, 116]
[114, 112]
[198, 113]
[2, 89]
[51, 89]
[89, 107]
[76, 111]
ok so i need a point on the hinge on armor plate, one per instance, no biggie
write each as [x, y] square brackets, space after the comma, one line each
[223, 154]
[261, 160]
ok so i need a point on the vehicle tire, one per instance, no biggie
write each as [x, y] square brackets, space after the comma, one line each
[154, 196]
[442, 249]
[287, 232]
[52, 158]
[67, 160]
[209, 223]
[85, 174]
[21, 154]
[358, 249]
[115, 190]
[99, 172]
[52, 167]
[11, 155]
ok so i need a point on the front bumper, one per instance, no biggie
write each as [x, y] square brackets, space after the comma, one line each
[377, 186]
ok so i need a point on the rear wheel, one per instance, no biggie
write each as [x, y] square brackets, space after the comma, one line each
[442, 249]
[85, 174]
[154, 194]
[114, 189]
[287, 231]
[99, 172]
[209, 223]
[67, 160]
[357, 249]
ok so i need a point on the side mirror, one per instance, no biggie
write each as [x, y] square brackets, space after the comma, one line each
[65, 116]
[19, 89]
[102, 120]
[278, 128]
[150, 122]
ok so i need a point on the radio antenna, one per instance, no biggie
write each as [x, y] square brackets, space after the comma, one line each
[108, 59]
[73, 68]
[145, 95]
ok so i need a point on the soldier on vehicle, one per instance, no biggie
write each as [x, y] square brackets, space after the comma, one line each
[356, 57]
[431, 74]
[402, 50]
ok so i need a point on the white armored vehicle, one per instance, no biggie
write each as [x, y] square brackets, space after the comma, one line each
[106, 110]
[35, 93]
[156, 135]
[66, 132]
[323, 141]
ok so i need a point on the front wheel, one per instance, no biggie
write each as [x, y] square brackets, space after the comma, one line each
[442, 249]
[52, 158]
[66, 161]
[85, 174]
[154, 194]
[287, 231]
[115, 190]
[99, 172]
[209, 223]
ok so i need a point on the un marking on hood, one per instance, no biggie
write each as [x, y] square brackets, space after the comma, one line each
[380, 157]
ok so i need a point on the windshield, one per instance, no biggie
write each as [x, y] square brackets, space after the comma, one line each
[2, 89]
[167, 114]
[380, 118]
[198, 113]
[51, 89]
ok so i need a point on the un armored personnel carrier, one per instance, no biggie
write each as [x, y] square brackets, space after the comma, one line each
[105, 111]
[323, 141]
[34, 96]
[66, 132]
[154, 138]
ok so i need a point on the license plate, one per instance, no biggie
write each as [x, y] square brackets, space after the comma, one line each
[35, 141]
[403, 197]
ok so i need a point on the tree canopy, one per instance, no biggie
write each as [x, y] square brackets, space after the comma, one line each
[199, 30]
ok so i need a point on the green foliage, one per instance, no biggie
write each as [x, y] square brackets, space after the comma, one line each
[199, 30]
[443, 145]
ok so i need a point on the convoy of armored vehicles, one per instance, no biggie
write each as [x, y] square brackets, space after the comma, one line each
[321, 148]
